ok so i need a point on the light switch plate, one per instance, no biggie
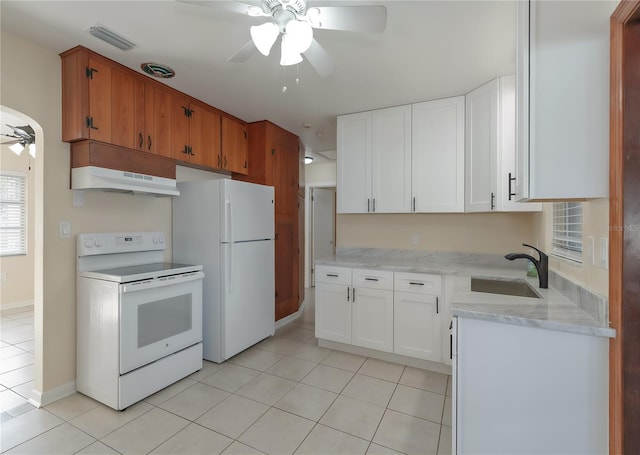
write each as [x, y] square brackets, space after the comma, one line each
[78, 198]
[604, 252]
[65, 229]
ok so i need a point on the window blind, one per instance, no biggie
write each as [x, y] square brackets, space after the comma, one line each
[567, 230]
[13, 213]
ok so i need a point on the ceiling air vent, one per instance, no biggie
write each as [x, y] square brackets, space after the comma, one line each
[158, 70]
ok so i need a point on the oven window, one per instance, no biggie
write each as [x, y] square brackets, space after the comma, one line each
[162, 319]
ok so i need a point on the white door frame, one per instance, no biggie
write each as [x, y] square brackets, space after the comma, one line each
[307, 227]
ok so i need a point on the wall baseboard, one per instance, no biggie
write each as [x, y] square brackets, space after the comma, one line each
[292, 317]
[39, 399]
[16, 305]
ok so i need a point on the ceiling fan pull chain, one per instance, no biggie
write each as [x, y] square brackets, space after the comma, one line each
[284, 79]
[297, 73]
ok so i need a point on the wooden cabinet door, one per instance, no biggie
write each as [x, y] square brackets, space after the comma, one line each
[159, 139]
[235, 146]
[204, 136]
[123, 108]
[180, 127]
[99, 100]
[286, 285]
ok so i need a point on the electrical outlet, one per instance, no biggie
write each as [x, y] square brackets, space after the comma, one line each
[3, 277]
[604, 252]
[78, 198]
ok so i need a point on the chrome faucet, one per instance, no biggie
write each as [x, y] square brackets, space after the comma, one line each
[541, 265]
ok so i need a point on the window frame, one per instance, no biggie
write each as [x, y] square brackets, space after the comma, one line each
[567, 231]
[22, 226]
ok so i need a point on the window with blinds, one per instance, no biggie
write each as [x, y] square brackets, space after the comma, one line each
[13, 213]
[567, 230]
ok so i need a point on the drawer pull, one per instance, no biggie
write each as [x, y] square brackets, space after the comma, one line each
[437, 305]
[415, 283]
[348, 296]
[371, 279]
[333, 275]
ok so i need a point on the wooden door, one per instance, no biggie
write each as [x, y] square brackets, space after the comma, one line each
[99, 100]
[180, 127]
[204, 136]
[123, 112]
[235, 146]
[286, 286]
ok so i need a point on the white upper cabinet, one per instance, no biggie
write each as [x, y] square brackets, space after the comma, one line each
[437, 177]
[374, 161]
[391, 160]
[402, 159]
[354, 163]
[490, 149]
[562, 87]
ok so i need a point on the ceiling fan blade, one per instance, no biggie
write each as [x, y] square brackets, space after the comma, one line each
[372, 18]
[234, 7]
[319, 59]
[244, 53]
[15, 141]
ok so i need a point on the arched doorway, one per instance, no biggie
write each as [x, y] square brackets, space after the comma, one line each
[25, 378]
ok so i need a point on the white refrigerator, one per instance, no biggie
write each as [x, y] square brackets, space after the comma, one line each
[228, 227]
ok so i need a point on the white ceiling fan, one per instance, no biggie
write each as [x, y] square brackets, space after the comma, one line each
[294, 21]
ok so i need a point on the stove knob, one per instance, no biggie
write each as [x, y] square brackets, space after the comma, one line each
[161, 239]
[155, 240]
[98, 243]
[88, 243]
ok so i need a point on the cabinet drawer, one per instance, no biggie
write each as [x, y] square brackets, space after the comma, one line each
[374, 279]
[421, 283]
[333, 275]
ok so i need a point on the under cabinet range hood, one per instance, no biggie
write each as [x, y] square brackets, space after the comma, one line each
[99, 178]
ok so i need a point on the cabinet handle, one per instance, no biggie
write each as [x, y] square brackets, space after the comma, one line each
[354, 295]
[187, 112]
[334, 275]
[149, 141]
[416, 283]
[371, 279]
[368, 205]
[141, 140]
[348, 289]
[413, 208]
[185, 150]
[451, 347]
[437, 305]
[191, 151]
[374, 205]
[511, 179]
[225, 161]
[493, 201]
[245, 165]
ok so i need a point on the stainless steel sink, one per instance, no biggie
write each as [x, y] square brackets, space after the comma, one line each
[518, 288]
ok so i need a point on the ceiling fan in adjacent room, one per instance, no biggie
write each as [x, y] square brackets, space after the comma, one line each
[21, 138]
[293, 21]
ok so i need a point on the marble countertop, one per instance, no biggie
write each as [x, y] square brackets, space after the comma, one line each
[554, 310]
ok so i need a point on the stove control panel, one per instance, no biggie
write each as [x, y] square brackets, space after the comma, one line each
[119, 242]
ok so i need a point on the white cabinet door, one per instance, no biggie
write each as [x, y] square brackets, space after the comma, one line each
[391, 160]
[354, 163]
[437, 134]
[333, 312]
[372, 323]
[417, 326]
[520, 388]
[562, 114]
[481, 148]
[490, 149]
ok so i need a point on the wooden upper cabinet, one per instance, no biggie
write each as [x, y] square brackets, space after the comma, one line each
[152, 119]
[235, 145]
[195, 131]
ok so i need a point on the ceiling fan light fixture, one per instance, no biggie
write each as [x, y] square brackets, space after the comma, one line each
[300, 35]
[289, 54]
[264, 36]
[308, 159]
[16, 148]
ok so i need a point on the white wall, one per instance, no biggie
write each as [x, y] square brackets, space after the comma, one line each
[31, 84]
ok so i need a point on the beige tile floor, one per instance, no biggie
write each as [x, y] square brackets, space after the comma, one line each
[285, 395]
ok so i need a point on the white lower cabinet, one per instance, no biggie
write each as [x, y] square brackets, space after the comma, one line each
[399, 313]
[520, 389]
[372, 309]
[333, 304]
[417, 323]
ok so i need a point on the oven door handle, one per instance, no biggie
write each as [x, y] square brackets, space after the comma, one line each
[160, 282]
